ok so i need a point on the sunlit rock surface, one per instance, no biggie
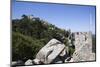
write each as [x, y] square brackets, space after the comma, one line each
[29, 62]
[50, 51]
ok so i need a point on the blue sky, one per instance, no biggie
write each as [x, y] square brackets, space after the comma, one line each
[74, 17]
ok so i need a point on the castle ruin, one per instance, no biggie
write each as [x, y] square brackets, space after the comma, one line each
[83, 47]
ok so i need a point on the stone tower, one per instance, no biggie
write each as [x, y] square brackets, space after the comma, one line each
[83, 47]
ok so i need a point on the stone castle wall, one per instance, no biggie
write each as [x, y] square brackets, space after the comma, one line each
[83, 47]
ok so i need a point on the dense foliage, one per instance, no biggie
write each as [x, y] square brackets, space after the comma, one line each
[29, 35]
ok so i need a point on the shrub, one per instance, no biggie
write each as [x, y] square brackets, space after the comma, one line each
[24, 47]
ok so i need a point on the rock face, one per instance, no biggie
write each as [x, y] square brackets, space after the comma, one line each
[50, 51]
[83, 47]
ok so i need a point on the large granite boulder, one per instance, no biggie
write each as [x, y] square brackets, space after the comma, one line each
[50, 51]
